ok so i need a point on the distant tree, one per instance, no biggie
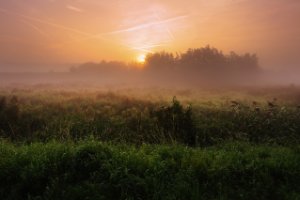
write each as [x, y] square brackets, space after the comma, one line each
[102, 67]
[160, 60]
[203, 59]
[206, 57]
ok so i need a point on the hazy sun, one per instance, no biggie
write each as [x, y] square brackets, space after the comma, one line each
[141, 58]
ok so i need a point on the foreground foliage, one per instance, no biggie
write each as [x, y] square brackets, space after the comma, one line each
[93, 170]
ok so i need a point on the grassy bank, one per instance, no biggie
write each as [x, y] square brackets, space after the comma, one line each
[94, 170]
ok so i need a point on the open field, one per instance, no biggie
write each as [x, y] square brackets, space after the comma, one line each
[156, 116]
[123, 143]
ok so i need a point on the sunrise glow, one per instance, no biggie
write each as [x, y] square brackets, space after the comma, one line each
[52, 35]
[141, 58]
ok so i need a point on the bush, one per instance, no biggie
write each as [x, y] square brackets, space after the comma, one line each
[176, 123]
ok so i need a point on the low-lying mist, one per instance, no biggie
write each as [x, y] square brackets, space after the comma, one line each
[201, 68]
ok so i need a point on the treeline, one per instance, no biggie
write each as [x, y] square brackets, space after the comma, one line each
[103, 66]
[200, 65]
[203, 59]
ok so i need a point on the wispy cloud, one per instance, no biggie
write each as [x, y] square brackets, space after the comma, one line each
[34, 27]
[171, 35]
[145, 48]
[147, 25]
[147, 36]
[73, 8]
[139, 27]
[66, 28]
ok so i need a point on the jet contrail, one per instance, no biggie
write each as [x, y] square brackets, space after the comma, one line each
[142, 26]
[138, 27]
[34, 27]
[168, 29]
[99, 36]
[47, 22]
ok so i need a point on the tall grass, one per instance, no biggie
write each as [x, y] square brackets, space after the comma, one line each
[66, 115]
[94, 170]
[108, 116]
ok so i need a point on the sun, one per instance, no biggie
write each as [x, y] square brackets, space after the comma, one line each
[141, 58]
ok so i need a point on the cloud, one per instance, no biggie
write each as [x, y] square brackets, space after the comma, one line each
[147, 25]
[34, 27]
[26, 17]
[73, 8]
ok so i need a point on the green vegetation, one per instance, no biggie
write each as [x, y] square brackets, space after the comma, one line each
[66, 115]
[95, 144]
[93, 170]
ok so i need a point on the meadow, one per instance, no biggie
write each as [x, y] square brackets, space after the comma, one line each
[120, 143]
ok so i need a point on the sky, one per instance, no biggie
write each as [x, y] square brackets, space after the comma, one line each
[53, 35]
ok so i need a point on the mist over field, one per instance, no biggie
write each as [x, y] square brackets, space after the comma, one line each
[201, 67]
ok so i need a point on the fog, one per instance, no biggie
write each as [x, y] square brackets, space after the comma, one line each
[205, 67]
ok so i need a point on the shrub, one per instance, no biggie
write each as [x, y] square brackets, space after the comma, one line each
[176, 123]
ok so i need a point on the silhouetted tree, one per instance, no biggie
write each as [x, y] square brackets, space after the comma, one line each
[160, 60]
[206, 64]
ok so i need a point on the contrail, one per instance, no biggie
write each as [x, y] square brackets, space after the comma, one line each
[98, 36]
[170, 33]
[34, 27]
[168, 29]
[79, 32]
[142, 26]
[47, 22]
[138, 27]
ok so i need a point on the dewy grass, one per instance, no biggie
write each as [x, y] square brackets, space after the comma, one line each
[95, 170]
[107, 116]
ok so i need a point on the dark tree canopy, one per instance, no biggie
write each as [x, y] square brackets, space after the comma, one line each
[205, 58]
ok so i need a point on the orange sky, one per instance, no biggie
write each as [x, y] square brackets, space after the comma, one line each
[54, 34]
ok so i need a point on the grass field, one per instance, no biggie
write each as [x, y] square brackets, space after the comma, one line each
[149, 143]
[95, 170]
